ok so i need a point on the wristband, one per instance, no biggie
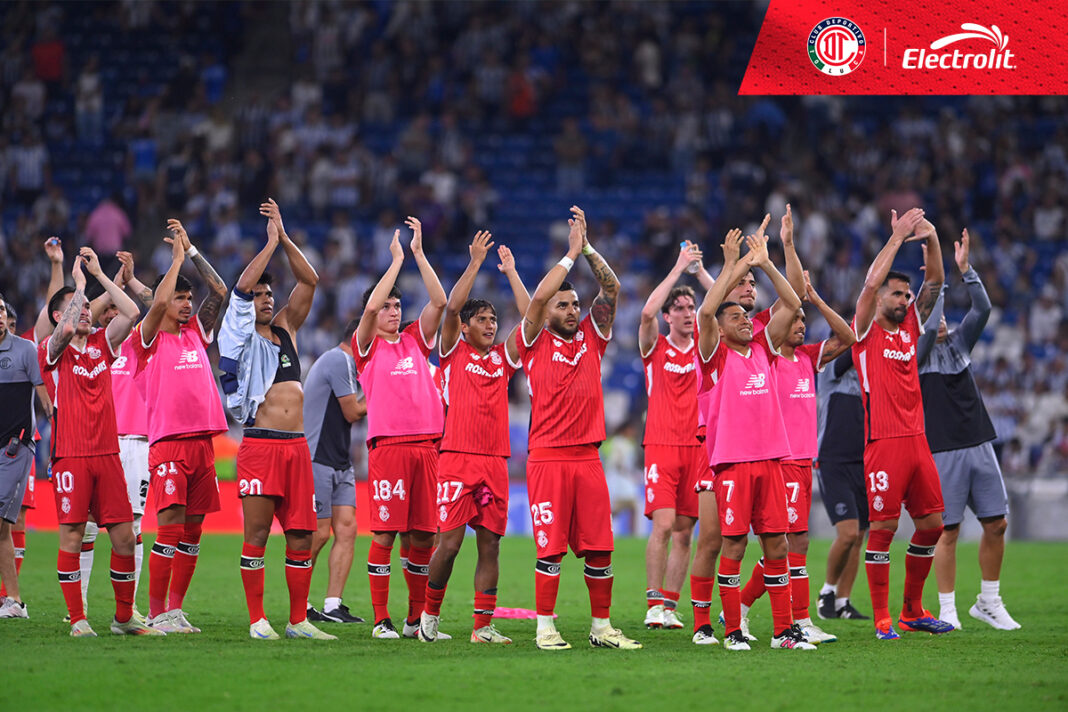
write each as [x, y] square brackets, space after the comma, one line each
[566, 262]
[192, 251]
[587, 249]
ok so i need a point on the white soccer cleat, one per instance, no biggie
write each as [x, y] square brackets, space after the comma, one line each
[654, 617]
[428, 627]
[489, 634]
[551, 640]
[261, 630]
[81, 629]
[167, 622]
[743, 624]
[411, 630]
[993, 613]
[949, 615]
[181, 623]
[735, 641]
[384, 630]
[705, 636]
[305, 629]
[791, 639]
[136, 615]
[132, 627]
[671, 620]
[11, 608]
[612, 638]
[812, 633]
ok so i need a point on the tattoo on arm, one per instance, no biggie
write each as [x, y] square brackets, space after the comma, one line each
[604, 275]
[209, 274]
[209, 311]
[68, 322]
[145, 295]
[603, 311]
[927, 297]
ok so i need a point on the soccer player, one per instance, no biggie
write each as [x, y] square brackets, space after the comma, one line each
[897, 461]
[170, 346]
[20, 375]
[86, 470]
[747, 437]
[674, 458]
[569, 502]
[472, 486]
[959, 432]
[258, 349]
[331, 406]
[795, 383]
[840, 418]
[404, 425]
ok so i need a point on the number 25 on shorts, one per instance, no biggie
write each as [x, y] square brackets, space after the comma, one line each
[542, 513]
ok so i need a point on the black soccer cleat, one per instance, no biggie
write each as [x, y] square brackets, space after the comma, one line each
[825, 607]
[848, 611]
[315, 616]
[341, 614]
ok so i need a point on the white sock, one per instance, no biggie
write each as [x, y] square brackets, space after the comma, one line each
[85, 559]
[600, 624]
[546, 624]
[947, 601]
[989, 590]
[139, 554]
[745, 610]
[840, 603]
[829, 588]
[330, 603]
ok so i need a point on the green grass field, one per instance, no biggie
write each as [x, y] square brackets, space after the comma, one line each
[977, 668]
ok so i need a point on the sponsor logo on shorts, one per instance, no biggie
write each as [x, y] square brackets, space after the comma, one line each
[64, 504]
[443, 513]
[728, 516]
[877, 503]
[383, 513]
[791, 514]
[169, 487]
[543, 541]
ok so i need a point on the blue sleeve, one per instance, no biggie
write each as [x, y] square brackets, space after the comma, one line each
[238, 323]
[842, 364]
[971, 328]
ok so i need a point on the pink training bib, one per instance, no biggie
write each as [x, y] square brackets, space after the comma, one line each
[128, 390]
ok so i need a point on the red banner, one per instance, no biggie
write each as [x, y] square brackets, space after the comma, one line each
[917, 47]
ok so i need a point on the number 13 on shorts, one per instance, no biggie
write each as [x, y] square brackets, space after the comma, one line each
[878, 481]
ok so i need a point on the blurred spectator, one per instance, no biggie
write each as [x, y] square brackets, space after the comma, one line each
[570, 147]
[107, 227]
[89, 102]
[29, 161]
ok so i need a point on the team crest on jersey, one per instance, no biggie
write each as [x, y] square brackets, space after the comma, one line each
[495, 358]
[905, 337]
[383, 513]
[579, 336]
[65, 505]
[94, 352]
[877, 503]
[443, 514]
[285, 361]
[791, 514]
[728, 516]
[557, 344]
[671, 353]
[543, 539]
[168, 486]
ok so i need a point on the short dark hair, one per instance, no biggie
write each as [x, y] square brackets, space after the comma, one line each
[350, 329]
[566, 286]
[472, 307]
[11, 313]
[893, 274]
[266, 278]
[180, 285]
[394, 292]
[55, 301]
[683, 290]
[726, 305]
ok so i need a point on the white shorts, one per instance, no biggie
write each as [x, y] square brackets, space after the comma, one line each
[133, 453]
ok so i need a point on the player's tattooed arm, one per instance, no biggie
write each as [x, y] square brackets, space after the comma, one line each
[603, 309]
[53, 248]
[68, 320]
[842, 336]
[934, 273]
[733, 270]
[450, 325]
[880, 267]
[534, 318]
[649, 326]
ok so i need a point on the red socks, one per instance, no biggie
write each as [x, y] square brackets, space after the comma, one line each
[701, 599]
[777, 582]
[598, 574]
[416, 574]
[671, 599]
[917, 566]
[754, 588]
[123, 582]
[729, 577]
[799, 594]
[485, 605]
[184, 563]
[251, 579]
[378, 571]
[546, 583]
[877, 565]
[298, 581]
[434, 596]
[159, 566]
[653, 597]
[70, 581]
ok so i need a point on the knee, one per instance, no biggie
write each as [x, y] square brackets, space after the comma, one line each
[345, 529]
[949, 535]
[849, 534]
[681, 539]
[775, 547]
[996, 527]
[257, 536]
[661, 530]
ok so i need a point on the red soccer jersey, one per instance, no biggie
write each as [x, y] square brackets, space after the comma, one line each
[564, 378]
[84, 422]
[476, 400]
[889, 379]
[671, 380]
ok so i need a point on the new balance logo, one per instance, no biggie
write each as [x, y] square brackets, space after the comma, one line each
[188, 359]
[404, 367]
[803, 384]
[756, 380]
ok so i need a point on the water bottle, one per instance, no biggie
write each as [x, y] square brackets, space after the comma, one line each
[693, 266]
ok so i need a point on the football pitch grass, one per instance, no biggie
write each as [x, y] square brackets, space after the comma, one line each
[221, 668]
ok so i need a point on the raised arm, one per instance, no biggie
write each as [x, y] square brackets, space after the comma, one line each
[934, 273]
[164, 292]
[733, 270]
[789, 302]
[971, 328]
[208, 313]
[649, 326]
[880, 267]
[842, 336]
[450, 326]
[54, 249]
[68, 321]
[365, 332]
[430, 317]
[139, 288]
[603, 309]
[926, 342]
[293, 314]
[519, 290]
[250, 277]
[534, 319]
[120, 326]
[98, 306]
[795, 273]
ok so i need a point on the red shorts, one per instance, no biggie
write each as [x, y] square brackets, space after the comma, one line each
[402, 479]
[671, 475]
[797, 476]
[569, 503]
[29, 500]
[92, 485]
[472, 489]
[751, 493]
[182, 472]
[280, 468]
[901, 471]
